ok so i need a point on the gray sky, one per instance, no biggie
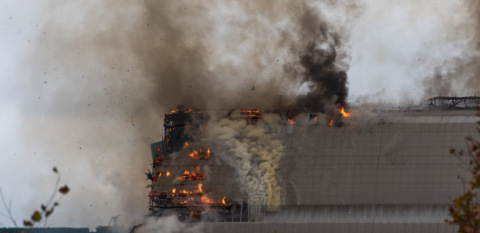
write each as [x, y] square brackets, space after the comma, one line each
[71, 86]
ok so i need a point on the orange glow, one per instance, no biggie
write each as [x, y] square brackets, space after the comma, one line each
[159, 174]
[331, 123]
[185, 111]
[186, 144]
[291, 121]
[173, 192]
[199, 155]
[207, 200]
[194, 175]
[344, 113]
[168, 173]
[198, 192]
[223, 200]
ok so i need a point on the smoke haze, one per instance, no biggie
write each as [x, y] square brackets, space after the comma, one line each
[77, 76]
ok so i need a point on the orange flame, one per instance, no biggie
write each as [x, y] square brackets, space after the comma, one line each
[223, 200]
[194, 175]
[344, 113]
[186, 144]
[207, 200]
[331, 123]
[198, 192]
[168, 173]
[173, 192]
[291, 121]
[199, 155]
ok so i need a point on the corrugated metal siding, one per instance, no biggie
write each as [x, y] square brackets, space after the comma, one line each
[385, 164]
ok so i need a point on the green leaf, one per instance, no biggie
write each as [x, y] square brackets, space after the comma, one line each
[36, 216]
[64, 189]
[27, 223]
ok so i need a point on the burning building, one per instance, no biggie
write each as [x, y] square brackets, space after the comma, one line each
[179, 172]
[391, 170]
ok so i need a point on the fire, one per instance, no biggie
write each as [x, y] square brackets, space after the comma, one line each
[223, 200]
[198, 192]
[184, 111]
[250, 113]
[159, 174]
[194, 175]
[344, 113]
[207, 200]
[331, 123]
[173, 192]
[185, 145]
[200, 155]
[168, 173]
[291, 121]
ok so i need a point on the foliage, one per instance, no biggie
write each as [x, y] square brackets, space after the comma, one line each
[46, 210]
[465, 212]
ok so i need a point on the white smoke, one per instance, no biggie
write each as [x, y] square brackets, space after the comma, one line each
[255, 154]
[170, 224]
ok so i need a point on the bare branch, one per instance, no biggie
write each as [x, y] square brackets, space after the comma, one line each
[8, 208]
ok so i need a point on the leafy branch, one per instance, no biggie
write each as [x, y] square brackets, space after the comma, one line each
[465, 211]
[46, 210]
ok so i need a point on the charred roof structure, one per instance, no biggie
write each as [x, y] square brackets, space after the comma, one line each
[177, 186]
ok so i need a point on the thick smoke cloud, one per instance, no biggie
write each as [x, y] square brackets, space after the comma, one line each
[97, 77]
[196, 53]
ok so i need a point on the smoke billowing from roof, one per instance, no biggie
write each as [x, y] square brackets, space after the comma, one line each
[242, 52]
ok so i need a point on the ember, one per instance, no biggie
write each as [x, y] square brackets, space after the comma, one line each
[291, 121]
[252, 116]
